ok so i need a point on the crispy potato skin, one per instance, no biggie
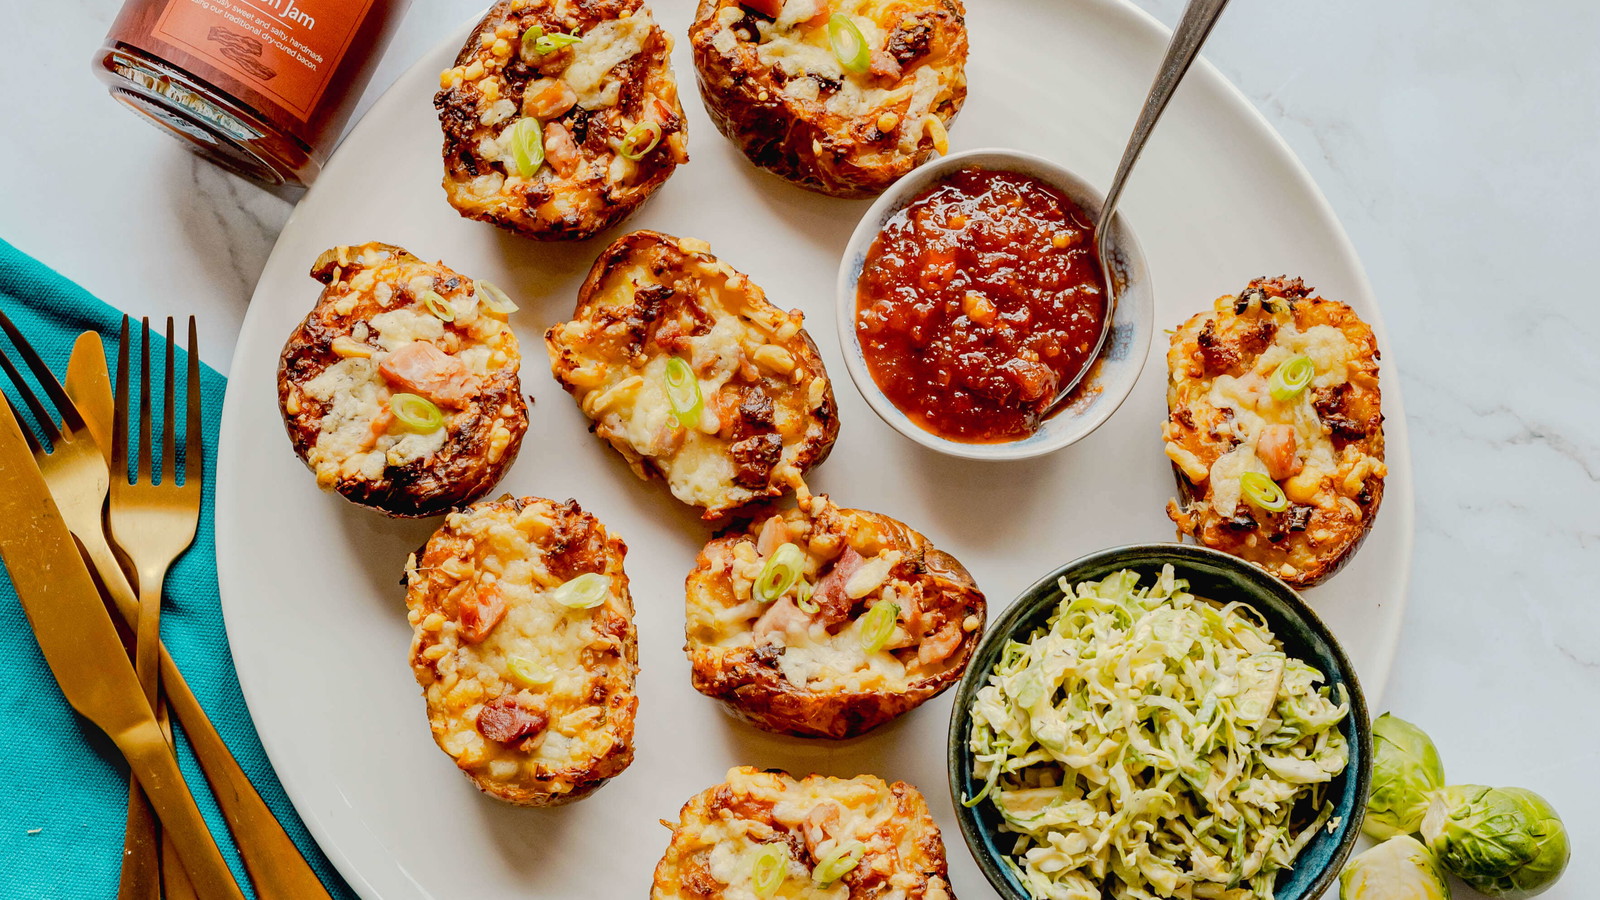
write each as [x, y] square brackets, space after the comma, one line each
[748, 679]
[621, 324]
[802, 140]
[443, 580]
[555, 206]
[467, 466]
[1326, 522]
[741, 814]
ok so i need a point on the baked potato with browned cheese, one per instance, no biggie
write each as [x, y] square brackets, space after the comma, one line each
[1275, 430]
[846, 126]
[764, 834]
[828, 622]
[400, 388]
[692, 375]
[602, 111]
[524, 644]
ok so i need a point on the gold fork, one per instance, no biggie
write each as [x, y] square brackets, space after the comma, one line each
[154, 517]
[75, 470]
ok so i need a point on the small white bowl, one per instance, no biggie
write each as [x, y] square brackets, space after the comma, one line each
[1111, 376]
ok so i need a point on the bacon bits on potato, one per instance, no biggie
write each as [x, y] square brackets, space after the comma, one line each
[827, 622]
[524, 644]
[692, 375]
[560, 118]
[764, 834]
[1275, 430]
[400, 388]
[849, 125]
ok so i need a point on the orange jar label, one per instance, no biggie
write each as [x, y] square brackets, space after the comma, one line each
[285, 49]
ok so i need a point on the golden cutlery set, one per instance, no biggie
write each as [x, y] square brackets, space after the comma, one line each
[59, 475]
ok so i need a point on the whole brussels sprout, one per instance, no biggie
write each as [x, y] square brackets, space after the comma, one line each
[1397, 869]
[1405, 773]
[1504, 842]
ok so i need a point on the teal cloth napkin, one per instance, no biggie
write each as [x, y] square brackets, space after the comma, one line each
[63, 786]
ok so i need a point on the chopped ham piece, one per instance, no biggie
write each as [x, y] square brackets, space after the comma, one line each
[885, 65]
[560, 150]
[820, 825]
[938, 647]
[774, 534]
[506, 720]
[832, 601]
[781, 618]
[1275, 446]
[547, 98]
[422, 368]
[480, 614]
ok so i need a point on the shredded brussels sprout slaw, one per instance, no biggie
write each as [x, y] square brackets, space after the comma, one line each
[1147, 743]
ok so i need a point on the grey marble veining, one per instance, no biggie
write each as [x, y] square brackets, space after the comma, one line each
[1456, 139]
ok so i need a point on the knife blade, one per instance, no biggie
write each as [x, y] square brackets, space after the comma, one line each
[271, 859]
[83, 652]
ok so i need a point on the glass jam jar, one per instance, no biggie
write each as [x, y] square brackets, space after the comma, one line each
[262, 87]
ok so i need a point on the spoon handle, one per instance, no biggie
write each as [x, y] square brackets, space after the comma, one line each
[1198, 18]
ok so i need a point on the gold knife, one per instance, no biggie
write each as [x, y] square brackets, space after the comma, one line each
[276, 868]
[86, 657]
[150, 868]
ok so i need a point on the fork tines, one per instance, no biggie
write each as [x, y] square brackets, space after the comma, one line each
[193, 458]
[48, 423]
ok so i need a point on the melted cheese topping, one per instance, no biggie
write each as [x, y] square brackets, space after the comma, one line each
[602, 49]
[355, 394]
[797, 46]
[509, 557]
[1253, 408]
[700, 470]
[860, 810]
[629, 399]
[816, 655]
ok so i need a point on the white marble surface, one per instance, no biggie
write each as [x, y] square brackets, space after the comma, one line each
[1455, 138]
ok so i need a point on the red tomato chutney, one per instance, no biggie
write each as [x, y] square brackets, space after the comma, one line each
[977, 300]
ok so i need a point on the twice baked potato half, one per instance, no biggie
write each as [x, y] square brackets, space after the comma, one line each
[524, 644]
[839, 96]
[1275, 430]
[560, 119]
[828, 622]
[400, 388]
[692, 375]
[764, 834]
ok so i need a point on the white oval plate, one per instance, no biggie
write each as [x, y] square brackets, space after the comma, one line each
[310, 584]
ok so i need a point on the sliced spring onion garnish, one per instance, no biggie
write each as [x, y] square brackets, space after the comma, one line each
[584, 592]
[768, 870]
[835, 864]
[641, 139]
[494, 299]
[780, 573]
[802, 597]
[848, 43]
[528, 673]
[527, 146]
[437, 305]
[878, 624]
[1263, 492]
[683, 392]
[530, 39]
[416, 413]
[541, 44]
[1291, 377]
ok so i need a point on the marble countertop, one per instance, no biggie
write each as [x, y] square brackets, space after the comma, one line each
[1456, 140]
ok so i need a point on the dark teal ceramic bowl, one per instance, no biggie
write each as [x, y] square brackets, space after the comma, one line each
[1215, 576]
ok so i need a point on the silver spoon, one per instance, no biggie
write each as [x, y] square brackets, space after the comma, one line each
[1193, 29]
